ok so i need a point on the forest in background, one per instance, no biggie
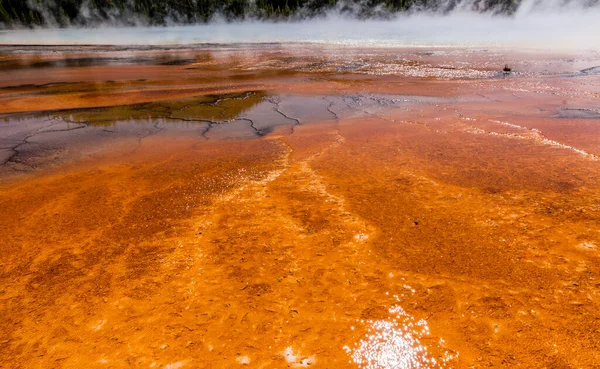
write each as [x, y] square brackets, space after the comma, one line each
[93, 13]
[65, 13]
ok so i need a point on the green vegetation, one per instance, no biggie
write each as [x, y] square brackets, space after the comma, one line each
[63, 13]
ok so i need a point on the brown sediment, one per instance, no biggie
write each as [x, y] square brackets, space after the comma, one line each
[288, 223]
[220, 107]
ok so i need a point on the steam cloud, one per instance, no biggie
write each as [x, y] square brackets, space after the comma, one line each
[542, 24]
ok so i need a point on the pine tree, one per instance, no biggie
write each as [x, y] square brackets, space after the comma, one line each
[4, 16]
[286, 10]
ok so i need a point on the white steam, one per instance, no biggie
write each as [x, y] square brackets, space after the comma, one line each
[548, 24]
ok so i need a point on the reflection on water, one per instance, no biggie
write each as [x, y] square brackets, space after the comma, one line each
[96, 61]
[203, 108]
[25, 138]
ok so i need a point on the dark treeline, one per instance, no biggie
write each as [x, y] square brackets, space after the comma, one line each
[64, 13]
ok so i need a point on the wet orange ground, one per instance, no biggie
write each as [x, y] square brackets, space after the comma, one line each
[461, 232]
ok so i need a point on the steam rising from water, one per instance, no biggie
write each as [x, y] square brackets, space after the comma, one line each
[548, 24]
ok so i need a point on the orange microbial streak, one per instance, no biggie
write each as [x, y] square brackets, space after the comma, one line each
[282, 207]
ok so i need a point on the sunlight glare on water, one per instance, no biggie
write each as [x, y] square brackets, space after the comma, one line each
[395, 343]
